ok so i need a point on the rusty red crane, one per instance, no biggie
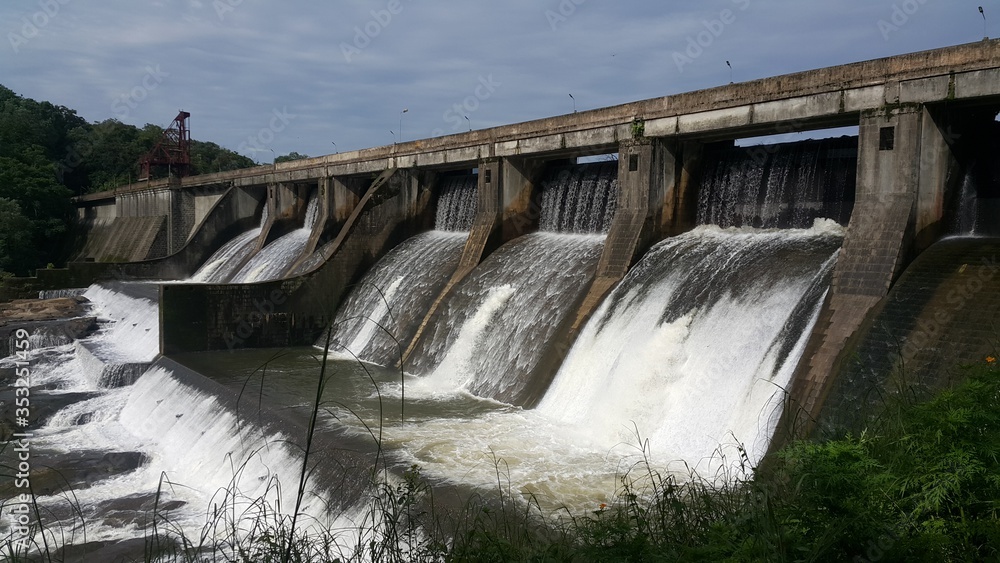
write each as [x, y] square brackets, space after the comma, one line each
[172, 150]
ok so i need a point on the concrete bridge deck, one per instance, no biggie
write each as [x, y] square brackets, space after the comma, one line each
[813, 99]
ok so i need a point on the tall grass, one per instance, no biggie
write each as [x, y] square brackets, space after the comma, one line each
[920, 482]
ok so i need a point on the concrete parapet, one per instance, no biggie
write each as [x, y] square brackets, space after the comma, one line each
[827, 97]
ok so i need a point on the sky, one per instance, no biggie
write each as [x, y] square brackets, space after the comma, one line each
[268, 78]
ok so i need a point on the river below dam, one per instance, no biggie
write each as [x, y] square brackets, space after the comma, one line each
[682, 367]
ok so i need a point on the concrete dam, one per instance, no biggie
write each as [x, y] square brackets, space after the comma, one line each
[552, 290]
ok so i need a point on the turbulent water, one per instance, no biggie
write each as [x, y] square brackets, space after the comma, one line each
[384, 310]
[579, 198]
[221, 266]
[456, 207]
[277, 257]
[687, 357]
[695, 347]
[493, 327]
[779, 186]
[157, 439]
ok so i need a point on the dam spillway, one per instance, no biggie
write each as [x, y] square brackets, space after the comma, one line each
[680, 289]
[665, 331]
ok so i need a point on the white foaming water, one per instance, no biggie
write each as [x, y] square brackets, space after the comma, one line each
[196, 452]
[219, 267]
[546, 273]
[559, 465]
[193, 447]
[40, 338]
[135, 335]
[457, 370]
[129, 335]
[200, 444]
[693, 349]
[83, 425]
[373, 323]
[276, 258]
[391, 300]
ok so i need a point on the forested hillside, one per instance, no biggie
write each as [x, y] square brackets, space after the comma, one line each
[48, 154]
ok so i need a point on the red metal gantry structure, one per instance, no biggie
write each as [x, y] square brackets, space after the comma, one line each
[173, 150]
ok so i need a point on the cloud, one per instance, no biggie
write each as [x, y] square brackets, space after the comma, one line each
[232, 62]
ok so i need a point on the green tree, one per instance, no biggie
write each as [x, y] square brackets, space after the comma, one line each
[17, 250]
[290, 157]
[48, 154]
[29, 181]
[209, 157]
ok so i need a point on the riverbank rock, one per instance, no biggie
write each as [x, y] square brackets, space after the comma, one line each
[49, 322]
[22, 310]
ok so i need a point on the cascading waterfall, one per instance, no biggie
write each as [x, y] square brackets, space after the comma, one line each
[493, 332]
[39, 338]
[58, 293]
[456, 207]
[180, 442]
[779, 186]
[579, 198]
[136, 333]
[493, 327]
[689, 352]
[384, 310]
[276, 258]
[199, 445]
[390, 301]
[692, 349]
[221, 266]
